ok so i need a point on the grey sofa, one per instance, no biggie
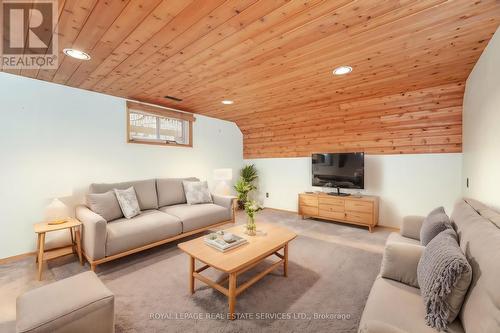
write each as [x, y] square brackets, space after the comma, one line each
[165, 216]
[393, 306]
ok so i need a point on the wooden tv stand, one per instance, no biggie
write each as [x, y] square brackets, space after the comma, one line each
[350, 209]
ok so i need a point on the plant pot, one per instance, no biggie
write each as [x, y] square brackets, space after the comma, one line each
[241, 204]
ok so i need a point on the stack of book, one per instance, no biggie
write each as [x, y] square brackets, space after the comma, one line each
[220, 244]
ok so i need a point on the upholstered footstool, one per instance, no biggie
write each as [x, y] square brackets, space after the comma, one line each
[80, 303]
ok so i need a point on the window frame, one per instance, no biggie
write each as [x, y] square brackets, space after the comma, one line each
[157, 111]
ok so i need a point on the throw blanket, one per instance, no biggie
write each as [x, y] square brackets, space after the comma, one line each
[444, 275]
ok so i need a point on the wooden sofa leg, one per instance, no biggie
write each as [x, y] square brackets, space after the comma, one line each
[93, 267]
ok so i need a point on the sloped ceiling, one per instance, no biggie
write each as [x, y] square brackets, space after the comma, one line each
[274, 59]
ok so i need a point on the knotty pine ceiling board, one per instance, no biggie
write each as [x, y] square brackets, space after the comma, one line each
[274, 59]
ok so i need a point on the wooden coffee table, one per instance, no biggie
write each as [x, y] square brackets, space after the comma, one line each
[238, 260]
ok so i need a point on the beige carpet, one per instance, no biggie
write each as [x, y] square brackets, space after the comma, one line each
[332, 268]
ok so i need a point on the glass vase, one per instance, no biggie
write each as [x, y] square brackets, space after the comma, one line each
[251, 226]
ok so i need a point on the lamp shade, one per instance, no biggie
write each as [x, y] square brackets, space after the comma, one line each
[223, 174]
[55, 211]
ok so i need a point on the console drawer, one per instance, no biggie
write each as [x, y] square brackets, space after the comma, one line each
[331, 208]
[309, 211]
[308, 200]
[339, 216]
[358, 206]
[364, 218]
[331, 201]
[360, 210]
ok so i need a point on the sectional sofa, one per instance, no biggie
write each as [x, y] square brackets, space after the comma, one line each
[165, 216]
[396, 307]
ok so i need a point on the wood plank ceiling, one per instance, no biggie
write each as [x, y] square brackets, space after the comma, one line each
[274, 58]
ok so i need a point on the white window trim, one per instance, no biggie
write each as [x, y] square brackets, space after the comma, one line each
[158, 112]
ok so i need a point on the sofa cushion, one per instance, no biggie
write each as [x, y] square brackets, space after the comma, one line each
[128, 202]
[171, 191]
[399, 306]
[144, 189]
[444, 277]
[488, 213]
[196, 192]
[104, 204]
[433, 224]
[148, 227]
[198, 216]
[80, 303]
[492, 216]
[480, 242]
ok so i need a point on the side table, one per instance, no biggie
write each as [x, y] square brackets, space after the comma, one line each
[73, 225]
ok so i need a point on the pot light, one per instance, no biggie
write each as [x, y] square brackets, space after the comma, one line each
[342, 70]
[77, 54]
[227, 102]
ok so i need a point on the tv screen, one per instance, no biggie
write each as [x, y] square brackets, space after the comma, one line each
[342, 170]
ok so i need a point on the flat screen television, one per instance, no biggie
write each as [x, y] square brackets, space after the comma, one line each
[338, 170]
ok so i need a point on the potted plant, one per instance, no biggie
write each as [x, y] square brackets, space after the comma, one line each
[242, 188]
[245, 184]
[251, 208]
[249, 173]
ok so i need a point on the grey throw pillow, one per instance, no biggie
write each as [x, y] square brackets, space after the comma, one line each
[444, 276]
[105, 205]
[197, 192]
[433, 224]
[128, 202]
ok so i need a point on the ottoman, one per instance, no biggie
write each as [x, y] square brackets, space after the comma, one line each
[80, 303]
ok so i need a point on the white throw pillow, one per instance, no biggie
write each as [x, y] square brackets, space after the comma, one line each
[128, 202]
[196, 192]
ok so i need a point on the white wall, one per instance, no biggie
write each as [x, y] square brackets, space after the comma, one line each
[55, 139]
[406, 184]
[481, 134]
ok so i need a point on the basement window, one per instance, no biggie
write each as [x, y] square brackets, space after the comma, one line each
[148, 124]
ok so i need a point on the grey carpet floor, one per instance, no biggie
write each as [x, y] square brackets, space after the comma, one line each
[332, 268]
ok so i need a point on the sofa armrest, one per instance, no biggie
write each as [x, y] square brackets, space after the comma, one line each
[400, 262]
[227, 201]
[411, 226]
[223, 200]
[93, 233]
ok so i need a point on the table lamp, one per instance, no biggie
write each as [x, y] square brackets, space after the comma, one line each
[56, 212]
[223, 176]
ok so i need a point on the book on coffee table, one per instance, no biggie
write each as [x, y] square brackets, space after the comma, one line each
[220, 244]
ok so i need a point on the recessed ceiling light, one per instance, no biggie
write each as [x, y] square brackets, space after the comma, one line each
[227, 102]
[77, 54]
[342, 70]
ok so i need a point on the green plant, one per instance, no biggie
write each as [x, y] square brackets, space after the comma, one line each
[251, 208]
[249, 173]
[242, 187]
[245, 184]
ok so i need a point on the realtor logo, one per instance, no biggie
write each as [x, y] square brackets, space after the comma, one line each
[29, 34]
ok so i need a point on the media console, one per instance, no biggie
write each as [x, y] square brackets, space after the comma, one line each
[352, 209]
